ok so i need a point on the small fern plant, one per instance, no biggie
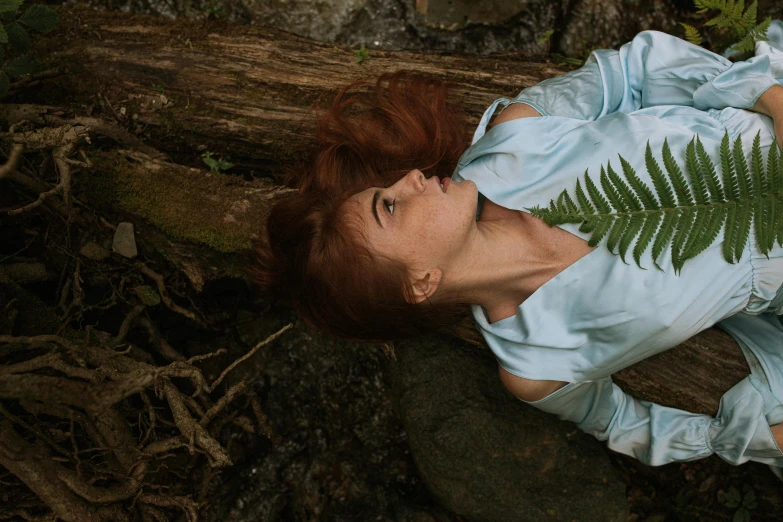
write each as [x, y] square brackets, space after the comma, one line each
[686, 216]
[732, 17]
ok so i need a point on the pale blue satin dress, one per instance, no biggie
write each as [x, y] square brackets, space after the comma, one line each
[601, 315]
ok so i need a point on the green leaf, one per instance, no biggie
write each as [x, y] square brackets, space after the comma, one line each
[595, 195]
[216, 165]
[741, 515]
[584, 203]
[612, 193]
[749, 498]
[728, 235]
[545, 36]
[708, 168]
[602, 227]
[20, 66]
[362, 54]
[10, 6]
[18, 37]
[637, 220]
[681, 188]
[684, 225]
[774, 176]
[692, 34]
[3, 35]
[760, 207]
[628, 196]
[695, 174]
[664, 236]
[147, 295]
[645, 194]
[744, 218]
[661, 184]
[741, 166]
[749, 18]
[733, 498]
[728, 171]
[40, 18]
[648, 231]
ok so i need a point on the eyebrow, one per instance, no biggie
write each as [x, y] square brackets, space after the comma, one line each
[375, 197]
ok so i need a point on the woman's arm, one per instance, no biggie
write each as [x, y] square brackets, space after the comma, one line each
[656, 434]
[653, 69]
[771, 104]
[777, 432]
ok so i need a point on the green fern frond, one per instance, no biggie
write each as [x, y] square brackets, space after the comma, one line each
[628, 210]
[732, 16]
[755, 34]
[692, 34]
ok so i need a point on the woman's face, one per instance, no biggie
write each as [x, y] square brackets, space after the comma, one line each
[417, 221]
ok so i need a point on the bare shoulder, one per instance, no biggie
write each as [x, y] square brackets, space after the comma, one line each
[528, 389]
[515, 111]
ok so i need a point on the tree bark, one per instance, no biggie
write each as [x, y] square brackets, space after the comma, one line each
[248, 92]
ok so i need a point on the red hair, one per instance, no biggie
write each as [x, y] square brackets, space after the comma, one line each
[316, 255]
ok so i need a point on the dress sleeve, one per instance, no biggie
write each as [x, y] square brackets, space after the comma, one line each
[657, 435]
[653, 69]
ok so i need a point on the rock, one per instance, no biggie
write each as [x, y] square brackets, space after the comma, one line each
[607, 24]
[125, 241]
[488, 456]
[456, 14]
[94, 251]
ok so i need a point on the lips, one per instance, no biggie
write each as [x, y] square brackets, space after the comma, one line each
[445, 184]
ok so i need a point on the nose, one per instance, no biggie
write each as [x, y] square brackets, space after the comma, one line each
[416, 179]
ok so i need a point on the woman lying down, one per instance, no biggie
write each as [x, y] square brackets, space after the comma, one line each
[599, 218]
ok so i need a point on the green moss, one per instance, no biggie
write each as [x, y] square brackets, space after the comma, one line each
[210, 209]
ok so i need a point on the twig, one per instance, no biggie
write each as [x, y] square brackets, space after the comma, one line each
[165, 349]
[263, 421]
[75, 448]
[33, 80]
[197, 358]
[127, 323]
[164, 294]
[33, 429]
[222, 402]
[185, 503]
[191, 430]
[13, 160]
[56, 339]
[152, 417]
[248, 355]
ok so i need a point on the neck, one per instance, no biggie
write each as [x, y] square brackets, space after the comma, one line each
[504, 263]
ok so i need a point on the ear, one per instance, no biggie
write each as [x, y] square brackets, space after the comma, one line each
[425, 285]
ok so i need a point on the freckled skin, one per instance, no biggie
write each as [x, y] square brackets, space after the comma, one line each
[426, 227]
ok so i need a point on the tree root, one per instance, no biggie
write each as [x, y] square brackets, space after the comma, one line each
[13, 159]
[81, 429]
[248, 355]
[62, 141]
[164, 295]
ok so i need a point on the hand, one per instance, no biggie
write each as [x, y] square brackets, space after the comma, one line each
[777, 432]
[771, 104]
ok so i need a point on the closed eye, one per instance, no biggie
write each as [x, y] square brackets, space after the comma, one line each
[389, 205]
